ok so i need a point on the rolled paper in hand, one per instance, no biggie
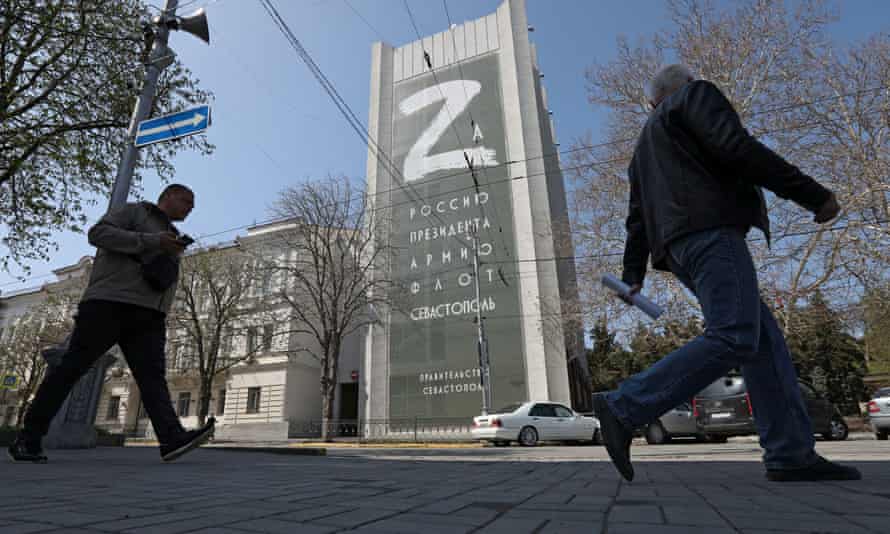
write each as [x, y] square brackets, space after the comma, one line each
[647, 306]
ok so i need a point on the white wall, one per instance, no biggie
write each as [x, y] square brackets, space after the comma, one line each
[303, 392]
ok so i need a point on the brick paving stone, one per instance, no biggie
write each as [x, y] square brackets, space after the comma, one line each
[635, 514]
[354, 518]
[27, 528]
[142, 521]
[219, 530]
[560, 515]
[790, 522]
[850, 530]
[566, 527]
[277, 526]
[509, 525]
[448, 519]
[66, 517]
[878, 522]
[525, 491]
[693, 516]
[318, 512]
[477, 513]
[643, 528]
[447, 506]
[402, 527]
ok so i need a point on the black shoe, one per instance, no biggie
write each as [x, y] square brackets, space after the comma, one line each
[187, 441]
[26, 450]
[616, 437]
[820, 471]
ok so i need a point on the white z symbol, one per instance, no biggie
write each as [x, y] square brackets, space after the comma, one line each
[457, 95]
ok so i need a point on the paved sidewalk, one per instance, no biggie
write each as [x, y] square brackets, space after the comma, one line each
[495, 491]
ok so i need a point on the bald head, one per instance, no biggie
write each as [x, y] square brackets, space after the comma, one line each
[668, 80]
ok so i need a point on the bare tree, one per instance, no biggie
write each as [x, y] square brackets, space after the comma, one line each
[69, 74]
[825, 110]
[332, 284]
[214, 306]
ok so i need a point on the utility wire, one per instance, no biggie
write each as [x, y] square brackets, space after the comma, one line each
[588, 164]
[359, 15]
[341, 104]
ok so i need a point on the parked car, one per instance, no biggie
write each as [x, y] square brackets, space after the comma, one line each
[678, 422]
[879, 413]
[532, 422]
[724, 409]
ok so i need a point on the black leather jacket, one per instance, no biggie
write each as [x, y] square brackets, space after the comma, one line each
[695, 167]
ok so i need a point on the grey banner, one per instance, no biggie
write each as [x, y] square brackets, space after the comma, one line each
[438, 123]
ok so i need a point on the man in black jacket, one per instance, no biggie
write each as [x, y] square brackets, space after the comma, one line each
[695, 192]
[124, 305]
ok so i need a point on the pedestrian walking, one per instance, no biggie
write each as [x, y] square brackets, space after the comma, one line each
[695, 192]
[131, 289]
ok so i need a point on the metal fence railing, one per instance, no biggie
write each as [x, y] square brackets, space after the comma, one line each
[413, 429]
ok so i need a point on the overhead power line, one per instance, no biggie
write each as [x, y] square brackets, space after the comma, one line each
[341, 104]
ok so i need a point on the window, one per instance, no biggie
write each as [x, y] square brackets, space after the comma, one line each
[542, 410]
[252, 345]
[221, 402]
[268, 332]
[562, 411]
[266, 287]
[183, 404]
[226, 349]
[253, 400]
[113, 407]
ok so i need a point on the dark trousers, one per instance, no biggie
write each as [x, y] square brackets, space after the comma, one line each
[740, 331]
[99, 325]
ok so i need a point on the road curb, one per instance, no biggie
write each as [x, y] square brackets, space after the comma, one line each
[293, 451]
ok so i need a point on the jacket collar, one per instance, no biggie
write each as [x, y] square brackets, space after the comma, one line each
[155, 210]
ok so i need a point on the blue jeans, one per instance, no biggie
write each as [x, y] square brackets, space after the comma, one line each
[740, 331]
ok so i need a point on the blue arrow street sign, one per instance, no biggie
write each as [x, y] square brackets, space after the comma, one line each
[172, 126]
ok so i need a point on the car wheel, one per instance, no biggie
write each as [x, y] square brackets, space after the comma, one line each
[837, 430]
[528, 436]
[656, 434]
[882, 435]
[597, 437]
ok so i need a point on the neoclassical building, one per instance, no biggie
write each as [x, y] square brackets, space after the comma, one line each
[269, 390]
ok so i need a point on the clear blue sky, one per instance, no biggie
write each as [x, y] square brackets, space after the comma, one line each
[274, 126]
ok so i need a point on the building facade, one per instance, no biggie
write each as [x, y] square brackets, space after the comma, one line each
[268, 389]
[462, 145]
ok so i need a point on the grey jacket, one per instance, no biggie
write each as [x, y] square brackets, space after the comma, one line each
[122, 237]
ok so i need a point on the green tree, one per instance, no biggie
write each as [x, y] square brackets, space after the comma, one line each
[69, 74]
[827, 355]
[610, 363]
[606, 359]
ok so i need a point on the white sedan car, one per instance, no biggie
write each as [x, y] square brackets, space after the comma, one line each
[531, 422]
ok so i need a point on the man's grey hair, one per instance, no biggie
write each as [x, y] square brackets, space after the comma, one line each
[668, 80]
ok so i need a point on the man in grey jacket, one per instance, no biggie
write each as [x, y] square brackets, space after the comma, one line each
[124, 305]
